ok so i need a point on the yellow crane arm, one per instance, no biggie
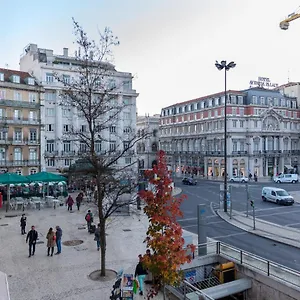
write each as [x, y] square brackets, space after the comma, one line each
[284, 25]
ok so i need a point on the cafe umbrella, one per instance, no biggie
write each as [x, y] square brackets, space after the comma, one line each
[11, 178]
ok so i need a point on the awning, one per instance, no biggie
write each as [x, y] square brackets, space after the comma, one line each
[289, 167]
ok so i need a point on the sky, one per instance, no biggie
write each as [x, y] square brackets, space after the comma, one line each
[170, 46]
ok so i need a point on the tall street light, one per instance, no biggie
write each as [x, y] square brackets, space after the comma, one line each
[220, 66]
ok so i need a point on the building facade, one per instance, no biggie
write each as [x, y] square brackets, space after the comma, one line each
[148, 147]
[21, 108]
[262, 129]
[58, 151]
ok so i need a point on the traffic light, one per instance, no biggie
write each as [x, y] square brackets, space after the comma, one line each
[252, 203]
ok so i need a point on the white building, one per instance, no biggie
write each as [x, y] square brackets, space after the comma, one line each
[59, 152]
[148, 147]
[262, 130]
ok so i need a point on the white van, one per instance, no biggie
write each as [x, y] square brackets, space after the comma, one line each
[279, 196]
[283, 178]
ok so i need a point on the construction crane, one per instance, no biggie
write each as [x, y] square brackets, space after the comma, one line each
[284, 25]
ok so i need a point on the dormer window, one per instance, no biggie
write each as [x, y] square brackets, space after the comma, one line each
[30, 81]
[16, 79]
[1, 77]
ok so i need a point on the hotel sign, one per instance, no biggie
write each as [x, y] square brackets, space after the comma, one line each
[263, 82]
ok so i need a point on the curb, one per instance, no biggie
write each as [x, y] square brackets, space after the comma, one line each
[265, 234]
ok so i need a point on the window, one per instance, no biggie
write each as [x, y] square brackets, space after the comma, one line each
[127, 130]
[255, 124]
[98, 147]
[126, 100]
[112, 146]
[242, 111]
[216, 112]
[234, 146]
[33, 115]
[51, 162]
[32, 154]
[233, 99]
[50, 112]
[2, 113]
[275, 101]
[50, 96]
[126, 116]
[17, 96]
[240, 100]
[126, 145]
[2, 94]
[17, 154]
[294, 114]
[32, 134]
[50, 127]
[262, 100]
[68, 162]
[16, 79]
[127, 160]
[294, 104]
[17, 114]
[32, 97]
[67, 146]
[49, 78]
[234, 111]
[31, 81]
[254, 99]
[1, 77]
[241, 124]
[2, 154]
[50, 146]
[18, 135]
[222, 111]
[234, 123]
[66, 128]
[66, 112]
[33, 171]
[83, 128]
[112, 129]
[82, 147]
[66, 79]
[126, 85]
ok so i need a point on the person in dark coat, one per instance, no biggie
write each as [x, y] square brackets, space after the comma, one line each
[97, 237]
[31, 238]
[70, 202]
[23, 224]
[140, 273]
[79, 199]
[58, 235]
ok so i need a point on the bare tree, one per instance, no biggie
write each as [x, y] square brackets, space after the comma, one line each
[93, 94]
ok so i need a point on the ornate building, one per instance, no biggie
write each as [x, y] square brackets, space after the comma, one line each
[263, 133]
[21, 107]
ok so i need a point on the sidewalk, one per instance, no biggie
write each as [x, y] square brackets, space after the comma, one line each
[289, 236]
[65, 276]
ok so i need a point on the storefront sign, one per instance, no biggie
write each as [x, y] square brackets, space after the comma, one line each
[263, 82]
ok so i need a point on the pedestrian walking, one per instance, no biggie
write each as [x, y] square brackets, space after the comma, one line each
[70, 203]
[58, 235]
[97, 236]
[23, 224]
[79, 199]
[140, 273]
[89, 219]
[31, 238]
[51, 239]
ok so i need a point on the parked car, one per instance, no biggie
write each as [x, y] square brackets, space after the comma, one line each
[189, 181]
[284, 178]
[279, 196]
[241, 179]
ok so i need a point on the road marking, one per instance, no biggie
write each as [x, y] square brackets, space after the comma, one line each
[291, 225]
[195, 225]
[229, 235]
[274, 208]
[212, 208]
[279, 213]
[195, 219]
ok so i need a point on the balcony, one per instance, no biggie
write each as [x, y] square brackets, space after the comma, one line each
[51, 153]
[68, 153]
[295, 152]
[32, 142]
[239, 153]
[16, 142]
[214, 153]
[17, 103]
[19, 163]
[21, 121]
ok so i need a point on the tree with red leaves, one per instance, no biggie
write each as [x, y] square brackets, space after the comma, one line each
[164, 235]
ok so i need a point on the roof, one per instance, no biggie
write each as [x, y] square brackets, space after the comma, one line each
[287, 85]
[205, 97]
[8, 73]
[273, 188]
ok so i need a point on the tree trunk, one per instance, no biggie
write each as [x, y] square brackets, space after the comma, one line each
[102, 246]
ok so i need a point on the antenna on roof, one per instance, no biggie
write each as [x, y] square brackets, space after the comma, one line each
[6, 66]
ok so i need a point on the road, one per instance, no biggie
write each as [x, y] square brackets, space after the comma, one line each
[207, 192]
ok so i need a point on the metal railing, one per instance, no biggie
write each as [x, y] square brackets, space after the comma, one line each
[267, 267]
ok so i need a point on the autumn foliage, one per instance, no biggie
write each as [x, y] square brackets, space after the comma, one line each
[164, 235]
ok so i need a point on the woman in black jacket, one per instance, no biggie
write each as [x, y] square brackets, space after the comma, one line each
[140, 273]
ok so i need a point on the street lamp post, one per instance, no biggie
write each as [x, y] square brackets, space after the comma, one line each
[220, 66]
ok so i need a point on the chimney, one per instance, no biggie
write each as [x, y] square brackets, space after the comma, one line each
[65, 50]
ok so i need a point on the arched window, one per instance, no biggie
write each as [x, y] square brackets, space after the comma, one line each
[154, 147]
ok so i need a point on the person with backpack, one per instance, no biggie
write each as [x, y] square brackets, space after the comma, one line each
[70, 202]
[89, 219]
